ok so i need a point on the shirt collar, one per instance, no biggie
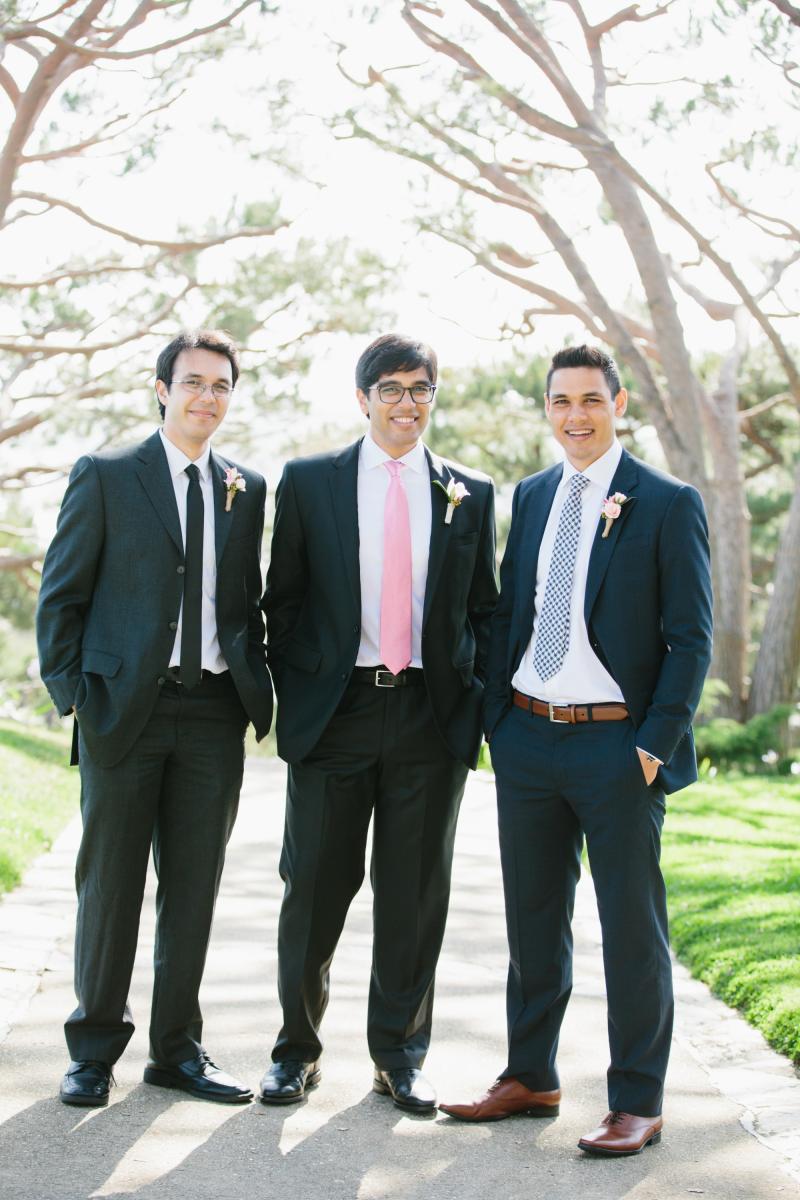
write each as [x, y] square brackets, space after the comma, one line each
[601, 471]
[178, 461]
[371, 455]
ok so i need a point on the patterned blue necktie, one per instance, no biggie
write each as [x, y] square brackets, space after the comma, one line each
[552, 631]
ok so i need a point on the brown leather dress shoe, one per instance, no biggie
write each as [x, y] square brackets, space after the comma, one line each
[506, 1098]
[622, 1133]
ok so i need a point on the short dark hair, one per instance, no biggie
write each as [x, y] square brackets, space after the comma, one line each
[393, 352]
[216, 340]
[587, 356]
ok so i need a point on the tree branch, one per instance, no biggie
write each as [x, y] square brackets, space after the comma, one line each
[189, 247]
[788, 10]
[792, 232]
[93, 55]
[97, 139]
[9, 86]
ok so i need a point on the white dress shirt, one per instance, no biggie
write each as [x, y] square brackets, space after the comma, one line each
[373, 484]
[211, 657]
[582, 678]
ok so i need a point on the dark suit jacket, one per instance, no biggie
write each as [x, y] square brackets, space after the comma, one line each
[648, 606]
[111, 592]
[313, 600]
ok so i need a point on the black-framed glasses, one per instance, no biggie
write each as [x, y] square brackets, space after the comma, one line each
[392, 393]
[220, 391]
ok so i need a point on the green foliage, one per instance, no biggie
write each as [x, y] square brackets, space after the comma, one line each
[38, 796]
[492, 418]
[731, 859]
[754, 744]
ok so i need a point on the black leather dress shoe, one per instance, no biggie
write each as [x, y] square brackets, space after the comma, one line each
[408, 1087]
[86, 1084]
[199, 1077]
[288, 1081]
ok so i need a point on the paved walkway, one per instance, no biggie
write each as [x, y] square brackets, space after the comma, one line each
[345, 1143]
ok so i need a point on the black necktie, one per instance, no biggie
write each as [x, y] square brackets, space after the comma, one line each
[191, 641]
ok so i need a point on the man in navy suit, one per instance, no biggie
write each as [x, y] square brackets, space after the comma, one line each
[598, 652]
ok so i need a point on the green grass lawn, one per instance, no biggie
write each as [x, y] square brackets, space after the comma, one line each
[38, 795]
[731, 858]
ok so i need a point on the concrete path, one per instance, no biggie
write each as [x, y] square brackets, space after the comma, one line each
[344, 1142]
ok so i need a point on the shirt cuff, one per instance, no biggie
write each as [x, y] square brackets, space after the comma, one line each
[651, 757]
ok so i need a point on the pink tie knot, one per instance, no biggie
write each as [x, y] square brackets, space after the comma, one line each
[394, 468]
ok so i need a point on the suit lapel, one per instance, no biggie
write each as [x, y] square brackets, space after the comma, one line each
[222, 520]
[440, 533]
[626, 478]
[343, 484]
[153, 471]
[538, 501]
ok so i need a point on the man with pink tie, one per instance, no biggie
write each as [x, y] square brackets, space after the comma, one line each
[379, 593]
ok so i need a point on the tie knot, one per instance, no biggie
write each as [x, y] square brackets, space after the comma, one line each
[577, 484]
[394, 468]
[192, 472]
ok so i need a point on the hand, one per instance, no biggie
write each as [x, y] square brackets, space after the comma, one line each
[649, 768]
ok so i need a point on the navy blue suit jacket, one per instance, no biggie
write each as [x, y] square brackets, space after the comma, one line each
[648, 606]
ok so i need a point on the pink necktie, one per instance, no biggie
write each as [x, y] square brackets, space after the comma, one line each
[396, 583]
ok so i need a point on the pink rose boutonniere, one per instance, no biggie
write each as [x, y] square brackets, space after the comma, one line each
[455, 492]
[612, 507]
[234, 482]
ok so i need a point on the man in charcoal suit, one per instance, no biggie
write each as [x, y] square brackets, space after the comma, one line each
[150, 632]
[599, 648]
[379, 593]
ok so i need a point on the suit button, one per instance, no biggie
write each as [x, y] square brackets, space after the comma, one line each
[173, 625]
[181, 570]
[161, 680]
[344, 675]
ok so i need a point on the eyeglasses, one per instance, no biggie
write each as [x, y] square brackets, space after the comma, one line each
[392, 393]
[220, 391]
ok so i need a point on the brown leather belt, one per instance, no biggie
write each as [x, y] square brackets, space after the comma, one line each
[570, 714]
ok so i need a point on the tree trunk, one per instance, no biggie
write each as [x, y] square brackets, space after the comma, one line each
[778, 659]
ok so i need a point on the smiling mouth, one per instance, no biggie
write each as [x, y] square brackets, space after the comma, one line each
[579, 433]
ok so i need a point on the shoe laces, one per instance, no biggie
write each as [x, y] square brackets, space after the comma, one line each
[615, 1117]
[94, 1062]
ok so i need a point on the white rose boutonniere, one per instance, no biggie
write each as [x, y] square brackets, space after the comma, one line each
[456, 492]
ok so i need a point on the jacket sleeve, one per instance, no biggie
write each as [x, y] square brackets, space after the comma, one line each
[482, 597]
[68, 578]
[496, 693]
[686, 617]
[255, 617]
[288, 575]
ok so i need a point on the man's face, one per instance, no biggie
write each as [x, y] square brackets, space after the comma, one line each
[396, 427]
[192, 415]
[582, 413]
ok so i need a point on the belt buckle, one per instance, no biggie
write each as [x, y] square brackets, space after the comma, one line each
[556, 720]
[388, 674]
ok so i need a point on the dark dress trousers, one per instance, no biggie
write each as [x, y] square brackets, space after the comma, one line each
[355, 749]
[160, 765]
[648, 611]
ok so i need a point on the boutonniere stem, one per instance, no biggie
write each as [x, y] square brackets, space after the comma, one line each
[612, 507]
[455, 492]
[234, 482]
